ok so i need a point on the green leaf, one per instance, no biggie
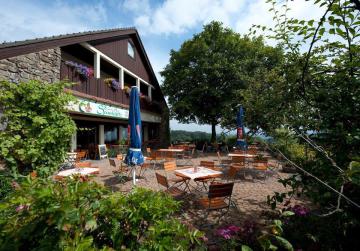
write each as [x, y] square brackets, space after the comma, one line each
[288, 213]
[284, 243]
[245, 248]
[91, 225]
[278, 223]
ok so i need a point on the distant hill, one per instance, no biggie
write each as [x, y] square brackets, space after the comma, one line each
[186, 136]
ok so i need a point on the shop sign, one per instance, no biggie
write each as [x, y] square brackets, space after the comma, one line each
[93, 108]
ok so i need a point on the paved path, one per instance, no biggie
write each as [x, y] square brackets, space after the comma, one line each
[250, 196]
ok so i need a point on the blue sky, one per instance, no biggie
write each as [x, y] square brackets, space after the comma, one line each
[163, 25]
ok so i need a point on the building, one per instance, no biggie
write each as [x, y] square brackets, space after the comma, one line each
[104, 65]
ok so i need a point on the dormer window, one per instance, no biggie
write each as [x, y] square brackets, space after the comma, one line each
[131, 50]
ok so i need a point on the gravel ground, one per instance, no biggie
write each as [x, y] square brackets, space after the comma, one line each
[249, 194]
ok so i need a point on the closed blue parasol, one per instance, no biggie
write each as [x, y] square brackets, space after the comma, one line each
[134, 156]
[240, 142]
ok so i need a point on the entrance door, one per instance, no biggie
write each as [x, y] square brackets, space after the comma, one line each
[87, 138]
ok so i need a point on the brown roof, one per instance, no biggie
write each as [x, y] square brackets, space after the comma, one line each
[12, 49]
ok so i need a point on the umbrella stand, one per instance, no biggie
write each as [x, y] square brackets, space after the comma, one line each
[134, 155]
[134, 175]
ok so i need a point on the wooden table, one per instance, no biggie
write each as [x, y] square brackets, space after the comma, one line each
[83, 171]
[200, 173]
[170, 153]
[242, 155]
[171, 150]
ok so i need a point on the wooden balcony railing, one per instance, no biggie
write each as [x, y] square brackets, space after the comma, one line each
[97, 87]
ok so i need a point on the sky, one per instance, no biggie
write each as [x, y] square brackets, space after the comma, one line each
[162, 25]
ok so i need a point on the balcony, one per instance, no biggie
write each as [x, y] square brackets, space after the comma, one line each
[97, 88]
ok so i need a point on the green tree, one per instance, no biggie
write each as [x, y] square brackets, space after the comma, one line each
[37, 127]
[185, 136]
[203, 77]
[315, 95]
[316, 88]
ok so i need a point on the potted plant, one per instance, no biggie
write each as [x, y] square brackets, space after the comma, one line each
[111, 82]
[84, 72]
[261, 159]
[127, 90]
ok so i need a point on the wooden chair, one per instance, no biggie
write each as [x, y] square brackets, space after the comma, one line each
[151, 156]
[121, 171]
[231, 174]
[261, 168]
[81, 155]
[252, 151]
[222, 162]
[170, 156]
[188, 156]
[219, 198]
[83, 164]
[203, 150]
[238, 159]
[170, 166]
[239, 151]
[148, 152]
[180, 155]
[143, 168]
[238, 168]
[207, 163]
[171, 190]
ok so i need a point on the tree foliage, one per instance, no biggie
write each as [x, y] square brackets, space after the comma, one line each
[203, 77]
[314, 94]
[37, 129]
[185, 136]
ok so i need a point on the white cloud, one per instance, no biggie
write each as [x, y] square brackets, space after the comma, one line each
[136, 5]
[178, 16]
[22, 20]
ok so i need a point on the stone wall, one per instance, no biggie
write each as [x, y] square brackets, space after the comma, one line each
[43, 65]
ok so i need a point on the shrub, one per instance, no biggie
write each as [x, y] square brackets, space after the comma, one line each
[249, 237]
[37, 127]
[308, 231]
[5, 184]
[231, 141]
[81, 215]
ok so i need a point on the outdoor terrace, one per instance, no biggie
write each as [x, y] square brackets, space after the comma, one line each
[249, 194]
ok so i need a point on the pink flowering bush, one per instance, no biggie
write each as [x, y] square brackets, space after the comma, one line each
[238, 237]
[228, 232]
[300, 210]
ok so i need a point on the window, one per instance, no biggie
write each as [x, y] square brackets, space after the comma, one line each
[124, 133]
[144, 89]
[131, 50]
[111, 134]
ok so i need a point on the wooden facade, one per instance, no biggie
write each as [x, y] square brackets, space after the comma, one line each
[117, 50]
[107, 51]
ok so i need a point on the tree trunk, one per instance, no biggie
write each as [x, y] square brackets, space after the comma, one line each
[213, 133]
